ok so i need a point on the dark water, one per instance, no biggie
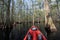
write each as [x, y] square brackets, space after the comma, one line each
[56, 35]
[20, 31]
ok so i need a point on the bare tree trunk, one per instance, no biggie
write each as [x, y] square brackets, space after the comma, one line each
[48, 20]
[47, 10]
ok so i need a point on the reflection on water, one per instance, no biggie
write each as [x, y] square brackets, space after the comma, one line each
[21, 29]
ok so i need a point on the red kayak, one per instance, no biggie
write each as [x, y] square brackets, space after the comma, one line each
[34, 34]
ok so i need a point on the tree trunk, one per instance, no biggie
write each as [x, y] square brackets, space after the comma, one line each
[2, 11]
[8, 13]
[57, 8]
[8, 20]
[12, 15]
[47, 10]
[48, 19]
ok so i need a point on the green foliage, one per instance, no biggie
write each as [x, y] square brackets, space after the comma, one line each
[53, 6]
